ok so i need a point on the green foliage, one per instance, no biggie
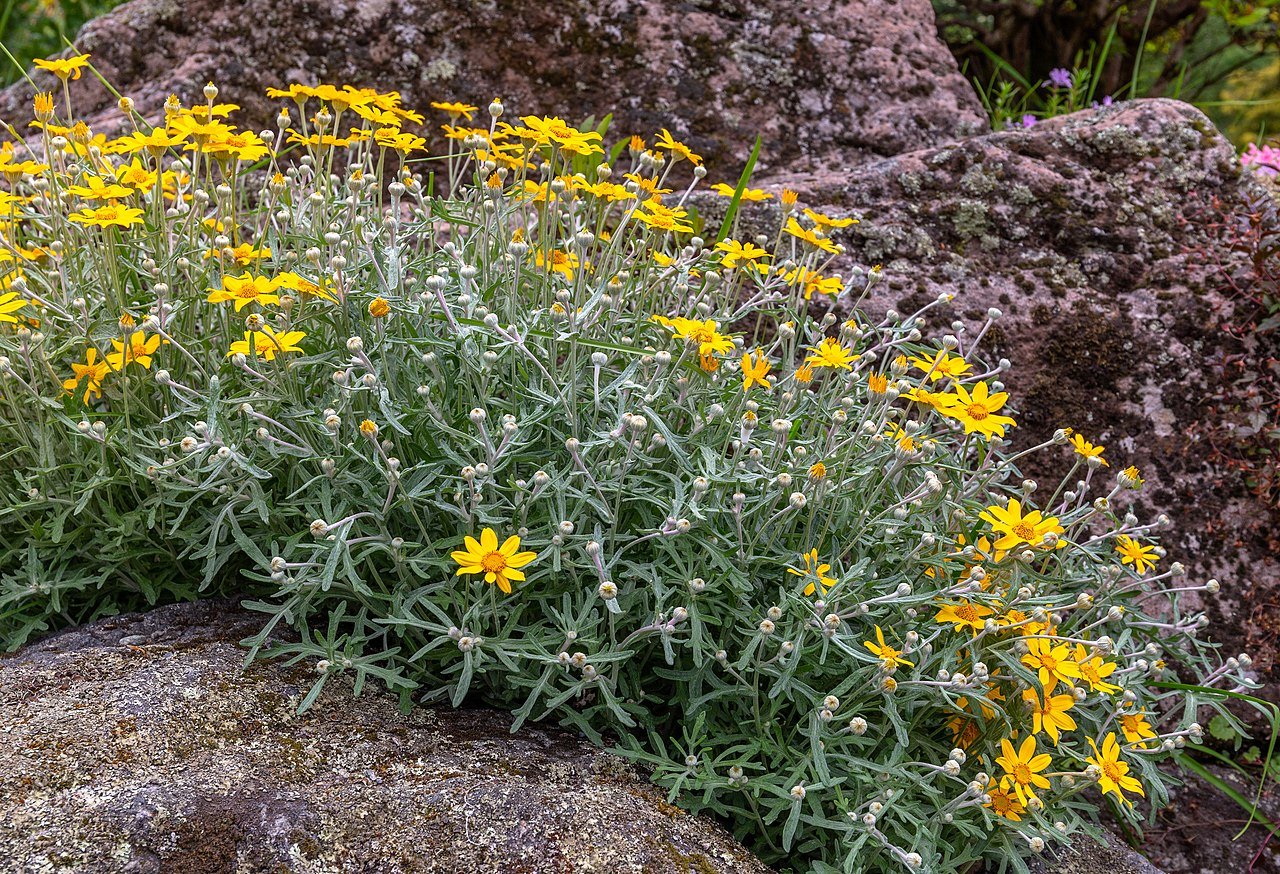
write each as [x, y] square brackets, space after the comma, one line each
[32, 29]
[512, 432]
[1220, 55]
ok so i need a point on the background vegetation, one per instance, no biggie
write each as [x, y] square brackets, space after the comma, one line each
[34, 28]
[1221, 55]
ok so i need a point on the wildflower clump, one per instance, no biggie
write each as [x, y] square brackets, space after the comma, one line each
[511, 422]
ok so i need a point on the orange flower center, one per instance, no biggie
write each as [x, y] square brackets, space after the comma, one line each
[1112, 771]
[107, 214]
[139, 349]
[247, 292]
[1025, 531]
[1048, 662]
[977, 412]
[494, 562]
[1022, 773]
[967, 613]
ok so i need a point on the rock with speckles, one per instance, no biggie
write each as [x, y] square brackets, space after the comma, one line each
[1088, 857]
[827, 83]
[137, 744]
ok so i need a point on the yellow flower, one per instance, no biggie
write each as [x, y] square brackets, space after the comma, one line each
[793, 228]
[156, 143]
[905, 441]
[379, 308]
[455, 110]
[91, 374]
[814, 282]
[1016, 528]
[65, 68]
[1050, 715]
[1142, 557]
[1131, 478]
[756, 373]
[966, 614]
[977, 411]
[305, 286]
[557, 130]
[1022, 768]
[705, 333]
[42, 104]
[266, 343]
[95, 189]
[18, 169]
[826, 222]
[201, 131]
[927, 398]
[369, 428]
[817, 471]
[803, 374]
[10, 303]
[136, 175]
[243, 255]
[110, 215]
[557, 261]
[1113, 774]
[889, 657]
[736, 252]
[140, 349]
[1136, 728]
[877, 383]
[1094, 671]
[942, 365]
[663, 219]
[1051, 663]
[677, 149]
[831, 354]
[499, 564]
[749, 195]
[1003, 802]
[819, 571]
[246, 289]
[1087, 450]
[242, 146]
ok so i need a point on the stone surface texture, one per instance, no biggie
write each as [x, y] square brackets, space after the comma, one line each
[1092, 858]
[826, 83]
[136, 744]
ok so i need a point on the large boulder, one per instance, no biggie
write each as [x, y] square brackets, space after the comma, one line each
[827, 83]
[137, 744]
[1090, 233]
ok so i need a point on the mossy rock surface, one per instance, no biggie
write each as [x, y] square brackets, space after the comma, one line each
[138, 744]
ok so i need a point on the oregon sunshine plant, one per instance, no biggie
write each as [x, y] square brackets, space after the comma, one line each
[518, 432]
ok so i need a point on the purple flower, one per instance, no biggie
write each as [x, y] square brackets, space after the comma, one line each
[1060, 78]
[1028, 120]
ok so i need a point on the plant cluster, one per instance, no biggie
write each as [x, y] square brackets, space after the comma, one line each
[511, 423]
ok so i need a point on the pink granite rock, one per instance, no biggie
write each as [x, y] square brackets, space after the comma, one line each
[827, 83]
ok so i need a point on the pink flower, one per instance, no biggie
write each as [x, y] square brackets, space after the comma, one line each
[1264, 161]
